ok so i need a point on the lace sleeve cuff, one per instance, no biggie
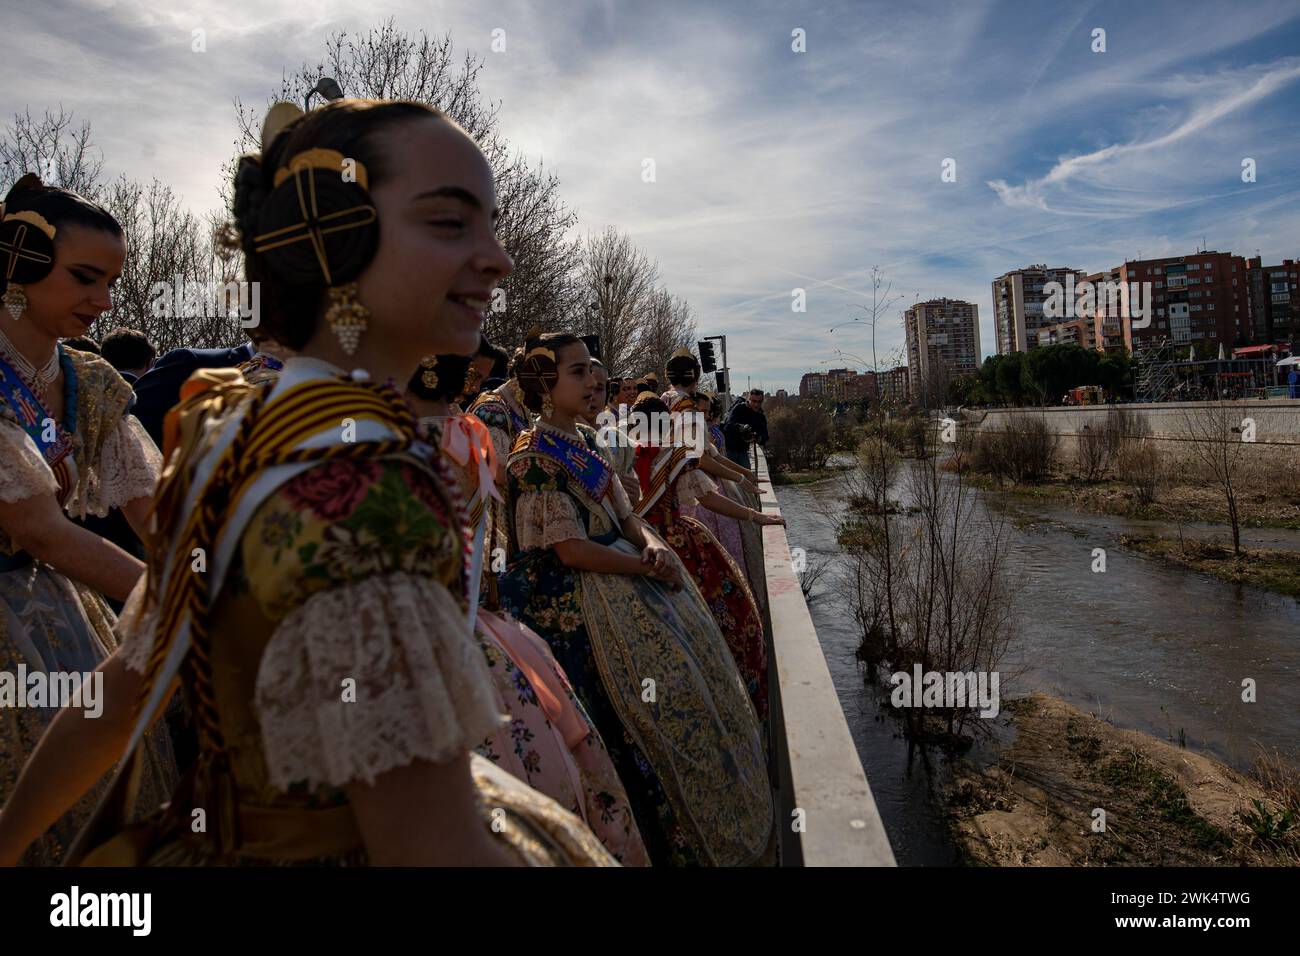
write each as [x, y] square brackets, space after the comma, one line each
[368, 677]
[128, 468]
[692, 485]
[25, 474]
[543, 518]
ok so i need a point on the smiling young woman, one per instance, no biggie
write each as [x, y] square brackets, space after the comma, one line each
[339, 689]
[68, 447]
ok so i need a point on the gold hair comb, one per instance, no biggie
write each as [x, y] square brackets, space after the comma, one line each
[31, 217]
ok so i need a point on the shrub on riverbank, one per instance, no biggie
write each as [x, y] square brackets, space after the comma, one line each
[799, 437]
[1022, 451]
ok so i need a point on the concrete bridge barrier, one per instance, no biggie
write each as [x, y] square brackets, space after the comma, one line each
[826, 815]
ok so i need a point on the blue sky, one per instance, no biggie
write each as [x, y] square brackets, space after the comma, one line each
[776, 169]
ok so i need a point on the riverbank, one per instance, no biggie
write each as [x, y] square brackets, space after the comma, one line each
[781, 478]
[1272, 569]
[1036, 803]
[1259, 507]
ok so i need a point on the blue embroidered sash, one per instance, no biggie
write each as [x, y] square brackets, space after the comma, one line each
[31, 413]
[581, 464]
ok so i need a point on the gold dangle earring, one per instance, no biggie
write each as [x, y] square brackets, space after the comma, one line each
[548, 406]
[428, 376]
[15, 300]
[346, 316]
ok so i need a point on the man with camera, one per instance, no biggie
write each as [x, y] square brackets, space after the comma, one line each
[745, 425]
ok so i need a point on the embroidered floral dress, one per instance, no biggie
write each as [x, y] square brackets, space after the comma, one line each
[48, 622]
[549, 742]
[743, 541]
[338, 649]
[647, 663]
[505, 417]
[719, 578]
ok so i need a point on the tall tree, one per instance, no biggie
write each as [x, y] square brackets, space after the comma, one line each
[165, 242]
[667, 325]
[615, 285]
[54, 148]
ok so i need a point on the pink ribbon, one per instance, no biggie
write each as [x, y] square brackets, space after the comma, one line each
[465, 437]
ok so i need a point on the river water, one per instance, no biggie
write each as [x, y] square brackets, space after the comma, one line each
[1146, 645]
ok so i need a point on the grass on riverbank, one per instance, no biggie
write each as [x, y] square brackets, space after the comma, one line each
[1268, 568]
[1259, 508]
[806, 477]
[1037, 804]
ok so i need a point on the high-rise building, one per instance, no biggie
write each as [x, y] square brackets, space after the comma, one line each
[1104, 312]
[1077, 331]
[1274, 302]
[838, 384]
[1202, 297]
[812, 385]
[894, 386]
[943, 341]
[1018, 298]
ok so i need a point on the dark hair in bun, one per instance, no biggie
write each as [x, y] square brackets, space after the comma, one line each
[650, 405]
[292, 283]
[451, 371]
[60, 208]
[683, 370]
[537, 373]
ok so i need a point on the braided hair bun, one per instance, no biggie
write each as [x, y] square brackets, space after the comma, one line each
[537, 371]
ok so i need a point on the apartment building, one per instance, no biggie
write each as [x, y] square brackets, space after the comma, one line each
[1018, 298]
[943, 341]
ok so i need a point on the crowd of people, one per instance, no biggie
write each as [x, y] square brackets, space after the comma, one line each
[366, 589]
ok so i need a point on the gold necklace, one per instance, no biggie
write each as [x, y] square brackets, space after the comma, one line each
[39, 379]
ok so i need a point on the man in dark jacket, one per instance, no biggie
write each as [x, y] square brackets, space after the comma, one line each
[745, 425]
[128, 351]
[159, 389]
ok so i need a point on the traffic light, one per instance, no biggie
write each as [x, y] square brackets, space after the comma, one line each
[707, 362]
[721, 378]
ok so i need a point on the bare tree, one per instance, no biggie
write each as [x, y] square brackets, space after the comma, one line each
[1217, 433]
[667, 325]
[616, 282]
[52, 147]
[387, 63]
[878, 461]
[169, 286]
[166, 243]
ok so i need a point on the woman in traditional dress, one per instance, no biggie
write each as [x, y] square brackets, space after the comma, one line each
[501, 409]
[309, 590]
[723, 527]
[671, 479]
[737, 482]
[550, 743]
[67, 447]
[631, 632]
